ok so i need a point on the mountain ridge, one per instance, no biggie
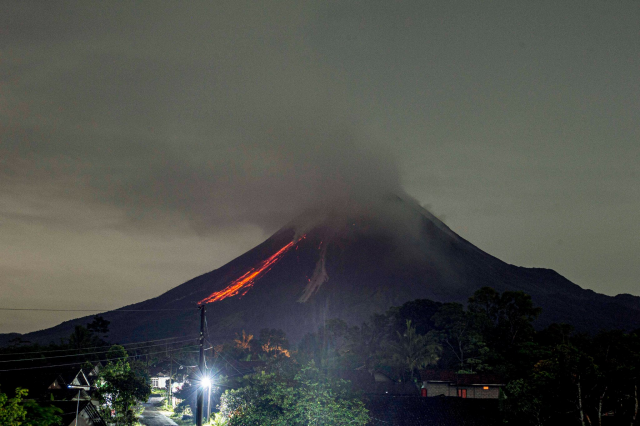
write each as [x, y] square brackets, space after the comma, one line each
[349, 264]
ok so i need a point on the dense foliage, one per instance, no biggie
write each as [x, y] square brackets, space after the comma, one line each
[552, 376]
[120, 388]
[18, 411]
[309, 398]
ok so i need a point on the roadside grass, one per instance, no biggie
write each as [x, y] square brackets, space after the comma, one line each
[178, 419]
[163, 405]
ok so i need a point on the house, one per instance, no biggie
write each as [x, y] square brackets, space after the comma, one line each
[71, 378]
[393, 403]
[93, 373]
[160, 380]
[49, 383]
[449, 383]
[67, 388]
[161, 373]
[87, 414]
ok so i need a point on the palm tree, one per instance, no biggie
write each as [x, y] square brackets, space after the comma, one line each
[243, 342]
[413, 352]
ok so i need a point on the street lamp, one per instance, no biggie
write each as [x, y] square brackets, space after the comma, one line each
[205, 382]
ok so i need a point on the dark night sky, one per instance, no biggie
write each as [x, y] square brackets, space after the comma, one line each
[142, 144]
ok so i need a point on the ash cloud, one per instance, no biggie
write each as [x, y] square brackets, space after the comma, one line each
[244, 126]
[265, 178]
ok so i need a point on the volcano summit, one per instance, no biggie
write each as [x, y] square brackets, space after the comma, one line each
[349, 263]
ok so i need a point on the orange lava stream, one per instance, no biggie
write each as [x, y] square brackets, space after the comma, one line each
[246, 281]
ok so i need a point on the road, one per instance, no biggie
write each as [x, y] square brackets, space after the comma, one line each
[152, 417]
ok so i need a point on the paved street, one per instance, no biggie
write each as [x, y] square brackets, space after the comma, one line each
[152, 417]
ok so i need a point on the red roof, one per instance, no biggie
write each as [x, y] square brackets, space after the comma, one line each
[438, 376]
[460, 379]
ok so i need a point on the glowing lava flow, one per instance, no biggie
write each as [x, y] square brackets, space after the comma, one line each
[245, 282]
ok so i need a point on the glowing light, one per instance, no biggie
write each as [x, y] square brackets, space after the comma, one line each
[245, 282]
[205, 382]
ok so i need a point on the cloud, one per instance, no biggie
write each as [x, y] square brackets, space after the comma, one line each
[242, 126]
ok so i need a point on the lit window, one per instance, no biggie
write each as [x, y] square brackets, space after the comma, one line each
[485, 387]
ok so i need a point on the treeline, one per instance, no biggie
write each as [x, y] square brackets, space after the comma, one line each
[91, 343]
[83, 340]
[551, 376]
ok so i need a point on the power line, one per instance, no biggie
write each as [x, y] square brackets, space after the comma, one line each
[225, 359]
[90, 353]
[78, 363]
[96, 347]
[95, 310]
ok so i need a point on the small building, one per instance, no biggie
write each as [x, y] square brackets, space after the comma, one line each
[71, 378]
[160, 380]
[449, 383]
[160, 376]
[66, 388]
[93, 373]
[84, 411]
[49, 384]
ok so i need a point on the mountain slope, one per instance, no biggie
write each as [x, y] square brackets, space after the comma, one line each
[349, 264]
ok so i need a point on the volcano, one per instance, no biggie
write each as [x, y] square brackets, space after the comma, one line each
[349, 263]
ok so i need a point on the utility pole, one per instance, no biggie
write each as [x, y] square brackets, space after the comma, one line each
[170, 371]
[209, 404]
[208, 389]
[202, 372]
[78, 403]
